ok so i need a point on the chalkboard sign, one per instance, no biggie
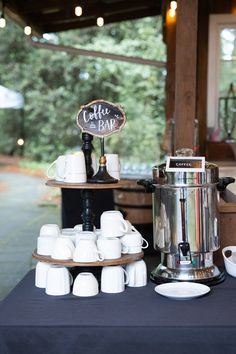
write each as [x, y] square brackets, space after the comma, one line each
[101, 118]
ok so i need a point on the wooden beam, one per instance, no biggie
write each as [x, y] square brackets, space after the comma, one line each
[185, 78]
[35, 7]
[82, 23]
[98, 54]
[89, 11]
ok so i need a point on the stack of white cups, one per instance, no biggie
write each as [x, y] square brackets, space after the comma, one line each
[118, 236]
[113, 225]
[47, 239]
[69, 168]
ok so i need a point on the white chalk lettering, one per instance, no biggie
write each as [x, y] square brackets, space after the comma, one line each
[100, 125]
[98, 113]
[112, 124]
[183, 164]
[106, 125]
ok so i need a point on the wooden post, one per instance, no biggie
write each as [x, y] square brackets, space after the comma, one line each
[202, 50]
[170, 30]
[185, 79]
[169, 34]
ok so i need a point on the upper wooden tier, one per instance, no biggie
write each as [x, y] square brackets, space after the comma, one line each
[54, 183]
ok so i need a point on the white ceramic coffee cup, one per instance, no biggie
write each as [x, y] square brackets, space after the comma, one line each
[85, 235]
[41, 274]
[85, 284]
[52, 230]
[134, 241]
[45, 245]
[75, 168]
[86, 251]
[111, 248]
[59, 172]
[69, 233]
[230, 262]
[113, 224]
[58, 281]
[113, 165]
[137, 272]
[113, 279]
[78, 227]
[63, 249]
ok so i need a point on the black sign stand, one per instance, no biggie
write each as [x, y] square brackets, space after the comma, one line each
[87, 149]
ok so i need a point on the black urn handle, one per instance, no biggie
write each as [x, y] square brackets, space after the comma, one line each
[223, 183]
[147, 184]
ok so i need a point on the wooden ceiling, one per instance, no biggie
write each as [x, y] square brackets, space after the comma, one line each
[46, 16]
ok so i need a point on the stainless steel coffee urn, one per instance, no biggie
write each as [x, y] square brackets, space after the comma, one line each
[186, 219]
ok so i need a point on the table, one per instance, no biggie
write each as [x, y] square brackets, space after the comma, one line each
[135, 321]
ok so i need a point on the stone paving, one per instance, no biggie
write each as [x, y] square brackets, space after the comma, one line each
[24, 208]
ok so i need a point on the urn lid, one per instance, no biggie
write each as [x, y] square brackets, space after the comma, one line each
[185, 169]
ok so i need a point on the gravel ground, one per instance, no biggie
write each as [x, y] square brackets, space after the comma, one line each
[25, 205]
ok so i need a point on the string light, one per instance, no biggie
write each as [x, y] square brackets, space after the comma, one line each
[2, 18]
[78, 11]
[20, 142]
[2, 21]
[173, 7]
[27, 30]
[100, 21]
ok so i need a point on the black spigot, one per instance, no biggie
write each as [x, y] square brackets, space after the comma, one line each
[147, 184]
[184, 247]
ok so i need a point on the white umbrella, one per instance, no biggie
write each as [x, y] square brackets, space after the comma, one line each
[10, 99]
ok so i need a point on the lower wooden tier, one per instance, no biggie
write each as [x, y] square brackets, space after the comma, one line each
[124, 259]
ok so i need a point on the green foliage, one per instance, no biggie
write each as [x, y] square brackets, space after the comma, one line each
[55, 84]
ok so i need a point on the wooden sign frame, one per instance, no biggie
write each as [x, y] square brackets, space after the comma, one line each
[96, 118]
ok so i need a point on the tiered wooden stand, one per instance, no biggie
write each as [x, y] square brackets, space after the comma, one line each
[87, 214]
[125, 259]
[88, 218]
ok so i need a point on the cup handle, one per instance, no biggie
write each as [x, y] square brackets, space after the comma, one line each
[126, 277]
[125, 224]
[133, 228]
[100, 255]
[71, 278]
[147, 244]
[49, 168]
[64, 171]
[119, 165]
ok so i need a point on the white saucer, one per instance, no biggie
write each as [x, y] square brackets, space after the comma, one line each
[182, 290]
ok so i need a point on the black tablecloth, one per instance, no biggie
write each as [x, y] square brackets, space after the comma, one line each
[135, 321]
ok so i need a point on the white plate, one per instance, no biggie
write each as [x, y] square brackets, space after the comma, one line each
[182, 290]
